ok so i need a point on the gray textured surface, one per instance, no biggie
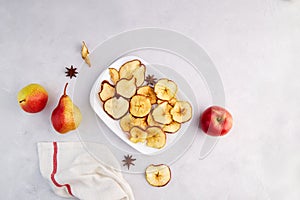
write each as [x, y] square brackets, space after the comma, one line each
[254, 44]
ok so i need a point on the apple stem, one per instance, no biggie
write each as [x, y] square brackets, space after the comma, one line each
[65, 89]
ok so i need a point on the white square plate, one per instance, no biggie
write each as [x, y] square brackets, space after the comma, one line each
[97, 106]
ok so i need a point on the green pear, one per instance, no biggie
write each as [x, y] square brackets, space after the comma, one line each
[66, 116]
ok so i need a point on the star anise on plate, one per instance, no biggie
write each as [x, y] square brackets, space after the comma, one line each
[71, 72]
[128, 160]
[151, 80]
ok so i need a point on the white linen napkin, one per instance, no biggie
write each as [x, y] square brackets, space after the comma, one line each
[74, 173]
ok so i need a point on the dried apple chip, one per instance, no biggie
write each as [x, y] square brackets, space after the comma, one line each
[156, 137]
[116, 107]
[173, 127]
[114, 75]
[137, 135]
[158, 175]
[182, 111]
[165, 89]
[140, 106]
[126, 87]
[107, 91]
[161, 113]
[147, 91]
[85, 54]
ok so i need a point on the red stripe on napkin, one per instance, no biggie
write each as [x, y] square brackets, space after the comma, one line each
[55, 170]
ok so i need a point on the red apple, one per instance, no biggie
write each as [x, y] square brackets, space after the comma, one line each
[216, 121]
[33, 98]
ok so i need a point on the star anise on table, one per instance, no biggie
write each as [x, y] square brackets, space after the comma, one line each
[151, 80]
[128, 161]
[71, 72]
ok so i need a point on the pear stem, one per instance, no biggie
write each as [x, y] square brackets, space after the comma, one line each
[65, 89]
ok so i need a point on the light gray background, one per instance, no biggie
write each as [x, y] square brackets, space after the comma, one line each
[255, 45]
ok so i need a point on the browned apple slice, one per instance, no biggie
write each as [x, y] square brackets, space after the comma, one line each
[139, 75]
[152, 122]
[140, 122]
[161, 113]
[114, 75]
[85, 54]
[181, 112]
[158, 175]
[137, 135]
[165, 89]
[107, 91]
[156, 137]
[128, 68]
[147, 91]
[172, 127]
[116, 107]
[126, 87]
[172, 101]
[128, 121]
[140, 106]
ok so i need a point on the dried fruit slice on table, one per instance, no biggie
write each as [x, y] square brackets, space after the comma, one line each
[172, 127]
[148, 91]
[137, 135]
[161, 113]
[116, 107]
[126, 87]
[85, 54]
[140, 106]
[156, 137]
[158, 175]
[165, 89]
[114, 75]
[107, 91]
[181, 112]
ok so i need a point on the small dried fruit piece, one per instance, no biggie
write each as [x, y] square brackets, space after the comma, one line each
[139, 74]
[135, 69]
[161, 113]
[128, 68]
[172, 101]
[114, 75]
[181, 112]
[116, 107]
[158, 175]
[126, 88]
[137, 135]
[147, 91]
[152, 122]
[140, 106]
[107, 91]
[140, 122]
[156, 137]
[85, 54]
[172, 127]
[128, 121]
[165, 89]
